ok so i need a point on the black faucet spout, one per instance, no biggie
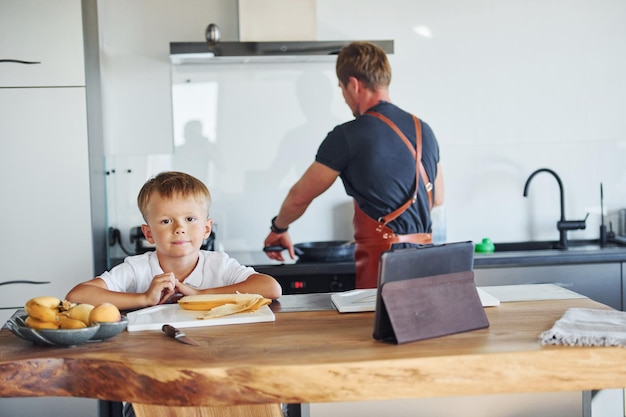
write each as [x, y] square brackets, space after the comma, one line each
[558, 179]
[562, 225]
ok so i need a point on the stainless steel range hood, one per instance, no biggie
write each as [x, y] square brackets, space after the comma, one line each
[182, 53]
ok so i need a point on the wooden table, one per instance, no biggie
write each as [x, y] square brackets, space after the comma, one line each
[306, 357]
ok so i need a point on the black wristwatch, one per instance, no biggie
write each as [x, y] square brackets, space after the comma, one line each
[277, 229]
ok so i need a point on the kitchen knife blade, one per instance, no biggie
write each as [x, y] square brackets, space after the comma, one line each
[177, 334]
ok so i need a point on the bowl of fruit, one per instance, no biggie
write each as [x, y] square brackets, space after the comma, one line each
[49, 321]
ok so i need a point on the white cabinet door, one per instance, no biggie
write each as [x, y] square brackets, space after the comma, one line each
[48, 32]
[44, 183]
[53, 406]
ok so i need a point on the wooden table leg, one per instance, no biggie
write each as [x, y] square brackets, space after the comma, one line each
[255, 410]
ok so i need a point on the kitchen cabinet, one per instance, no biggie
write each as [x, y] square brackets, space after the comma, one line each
[44, 166]
[44, 161]
[601, 282]
[48, 33]
[46, 210]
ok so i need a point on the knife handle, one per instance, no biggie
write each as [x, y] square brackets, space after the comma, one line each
[170, 330]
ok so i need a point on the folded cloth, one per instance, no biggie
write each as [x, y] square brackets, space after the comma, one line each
[587, 327]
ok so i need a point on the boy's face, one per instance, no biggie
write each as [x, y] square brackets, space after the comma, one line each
[176, 225]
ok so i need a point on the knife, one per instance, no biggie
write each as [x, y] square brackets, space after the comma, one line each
[177, 334]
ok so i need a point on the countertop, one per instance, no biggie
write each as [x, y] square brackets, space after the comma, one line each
[588, 252]
[573, 255]
[312, 356]
[576, 254]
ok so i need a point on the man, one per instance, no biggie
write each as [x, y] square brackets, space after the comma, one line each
[380, 157]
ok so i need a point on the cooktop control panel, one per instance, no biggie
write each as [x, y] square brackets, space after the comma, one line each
[311, 278]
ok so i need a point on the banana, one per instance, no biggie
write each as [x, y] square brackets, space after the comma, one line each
[69, 323]
[80, 312]
[48, 312]
[44, 308]
[33, 323]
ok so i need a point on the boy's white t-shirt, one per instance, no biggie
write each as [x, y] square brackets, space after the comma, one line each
[214, 269]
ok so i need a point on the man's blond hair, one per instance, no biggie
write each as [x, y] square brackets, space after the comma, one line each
[366, 62]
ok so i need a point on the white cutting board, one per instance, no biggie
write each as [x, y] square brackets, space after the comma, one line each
[153, 318]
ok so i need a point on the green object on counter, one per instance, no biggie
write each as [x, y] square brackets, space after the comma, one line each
[486, 246]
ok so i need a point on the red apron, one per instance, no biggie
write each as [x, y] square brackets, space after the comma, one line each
[373, 237]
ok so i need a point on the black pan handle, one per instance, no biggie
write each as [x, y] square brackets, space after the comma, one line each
[273, 249]
[296, 249]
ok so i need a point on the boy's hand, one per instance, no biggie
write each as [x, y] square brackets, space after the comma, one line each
[161, 288]
[185, 289]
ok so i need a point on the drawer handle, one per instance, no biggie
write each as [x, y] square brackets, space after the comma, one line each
[19, 61]
[24, 282]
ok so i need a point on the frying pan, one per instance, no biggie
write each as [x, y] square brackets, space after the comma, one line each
[327, 251]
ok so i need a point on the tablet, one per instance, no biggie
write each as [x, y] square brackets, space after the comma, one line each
[417, 262]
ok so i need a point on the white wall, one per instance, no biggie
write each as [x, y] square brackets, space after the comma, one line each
[508, 87]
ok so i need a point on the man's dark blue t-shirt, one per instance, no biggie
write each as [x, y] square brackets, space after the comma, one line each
[378, 170]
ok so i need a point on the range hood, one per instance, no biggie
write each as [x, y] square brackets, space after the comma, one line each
[182, 53]
[269, 31]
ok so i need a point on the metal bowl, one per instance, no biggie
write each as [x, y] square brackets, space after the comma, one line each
[110, 329]
[69, 337]
[50, 337]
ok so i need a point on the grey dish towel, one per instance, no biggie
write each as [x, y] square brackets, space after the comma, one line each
[587, 327]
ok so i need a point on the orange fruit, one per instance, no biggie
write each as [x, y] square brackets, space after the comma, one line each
[105, 313]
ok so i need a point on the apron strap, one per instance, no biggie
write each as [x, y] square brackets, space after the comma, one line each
[419, 166]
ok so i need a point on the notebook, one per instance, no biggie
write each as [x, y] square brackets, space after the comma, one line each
[426, 292]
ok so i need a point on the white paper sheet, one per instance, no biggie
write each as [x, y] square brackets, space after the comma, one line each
[530, 292]
[365, 300]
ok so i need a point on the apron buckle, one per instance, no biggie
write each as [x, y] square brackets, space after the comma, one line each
[429, 187]
[381, 224]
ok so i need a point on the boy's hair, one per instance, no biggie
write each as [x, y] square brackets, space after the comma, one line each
[366, 62]
[170, 183]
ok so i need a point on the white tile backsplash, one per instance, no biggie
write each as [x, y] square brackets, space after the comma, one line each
[508, 87]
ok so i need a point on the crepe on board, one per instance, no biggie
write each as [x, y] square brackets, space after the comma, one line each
[220, 305]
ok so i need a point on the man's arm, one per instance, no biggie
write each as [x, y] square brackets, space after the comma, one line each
[317, 179]
[438, 187]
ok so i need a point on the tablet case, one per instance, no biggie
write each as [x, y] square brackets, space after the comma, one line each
[440, 305]
[427, 292]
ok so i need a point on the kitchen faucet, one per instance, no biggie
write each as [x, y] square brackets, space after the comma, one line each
[562, 225]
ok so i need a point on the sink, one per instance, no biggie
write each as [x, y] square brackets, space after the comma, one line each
[582, 244]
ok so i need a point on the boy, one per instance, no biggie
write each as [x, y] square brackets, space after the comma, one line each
[175, 207]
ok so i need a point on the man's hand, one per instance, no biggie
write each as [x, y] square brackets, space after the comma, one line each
[282, 240]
